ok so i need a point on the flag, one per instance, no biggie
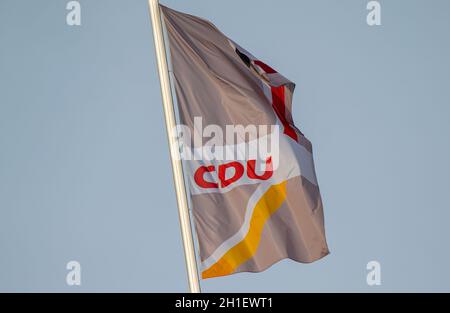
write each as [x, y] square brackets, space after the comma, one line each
[250, 211]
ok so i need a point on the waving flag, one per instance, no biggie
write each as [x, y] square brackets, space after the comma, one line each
[248, 213]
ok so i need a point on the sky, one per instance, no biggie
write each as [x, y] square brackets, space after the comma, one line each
[84, 166]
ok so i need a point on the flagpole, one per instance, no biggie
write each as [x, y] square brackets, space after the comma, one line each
[178, 178]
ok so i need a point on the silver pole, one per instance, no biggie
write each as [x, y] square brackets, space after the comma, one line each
[183, 211]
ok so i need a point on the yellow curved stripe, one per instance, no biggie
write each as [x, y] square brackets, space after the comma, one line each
[269, 203]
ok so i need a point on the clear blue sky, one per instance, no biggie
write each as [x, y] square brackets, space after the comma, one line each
[84, 167]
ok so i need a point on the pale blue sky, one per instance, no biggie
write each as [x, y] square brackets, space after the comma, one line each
[84, 168]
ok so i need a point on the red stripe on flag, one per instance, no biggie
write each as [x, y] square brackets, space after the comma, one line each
[266, 68]
[279, 105]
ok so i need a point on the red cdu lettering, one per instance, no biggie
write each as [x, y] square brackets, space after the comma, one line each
[237, 170]
[199, 177]
[267, 173]
[238, 173]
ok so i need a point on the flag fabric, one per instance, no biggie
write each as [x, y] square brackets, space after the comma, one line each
[248, 214]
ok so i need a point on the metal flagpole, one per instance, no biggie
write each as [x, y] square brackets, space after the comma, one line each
[183, 211]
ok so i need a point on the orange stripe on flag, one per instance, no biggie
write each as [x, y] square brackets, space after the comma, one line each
[269, 203]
